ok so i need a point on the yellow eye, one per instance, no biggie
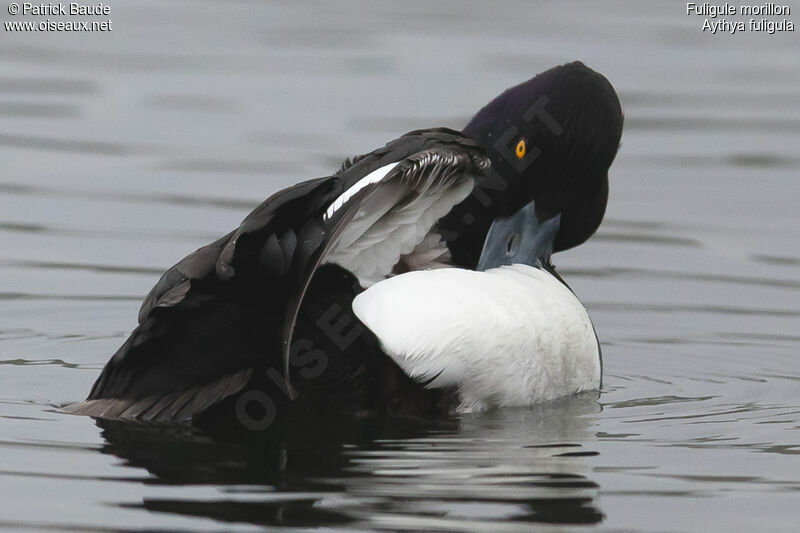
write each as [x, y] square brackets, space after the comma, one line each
[520, 149]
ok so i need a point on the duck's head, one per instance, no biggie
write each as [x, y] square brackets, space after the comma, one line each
[551, 141]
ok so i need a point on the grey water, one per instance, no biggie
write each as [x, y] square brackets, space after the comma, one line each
[123, 151]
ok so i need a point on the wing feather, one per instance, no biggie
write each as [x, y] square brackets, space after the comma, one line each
[229, 308]
[422, 178]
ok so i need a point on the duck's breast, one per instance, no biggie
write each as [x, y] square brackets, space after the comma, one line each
[513, 335]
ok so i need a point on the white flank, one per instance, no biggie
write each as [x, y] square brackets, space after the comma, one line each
[510, 336]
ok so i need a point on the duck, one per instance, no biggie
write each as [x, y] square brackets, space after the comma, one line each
[415, 280]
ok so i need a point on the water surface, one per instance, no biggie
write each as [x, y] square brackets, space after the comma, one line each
[121, 152]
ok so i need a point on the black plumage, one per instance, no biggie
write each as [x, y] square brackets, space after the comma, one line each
[217, 320]
[253, 311]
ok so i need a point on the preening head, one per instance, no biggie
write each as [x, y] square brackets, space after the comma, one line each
[551, 141]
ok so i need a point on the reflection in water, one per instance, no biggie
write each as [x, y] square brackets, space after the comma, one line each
[518, 465]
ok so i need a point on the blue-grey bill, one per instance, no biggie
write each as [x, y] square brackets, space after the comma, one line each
[520, 238]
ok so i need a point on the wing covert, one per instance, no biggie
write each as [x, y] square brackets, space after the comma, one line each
[230, 307]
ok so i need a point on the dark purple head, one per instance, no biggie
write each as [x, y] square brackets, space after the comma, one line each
[551, 141]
